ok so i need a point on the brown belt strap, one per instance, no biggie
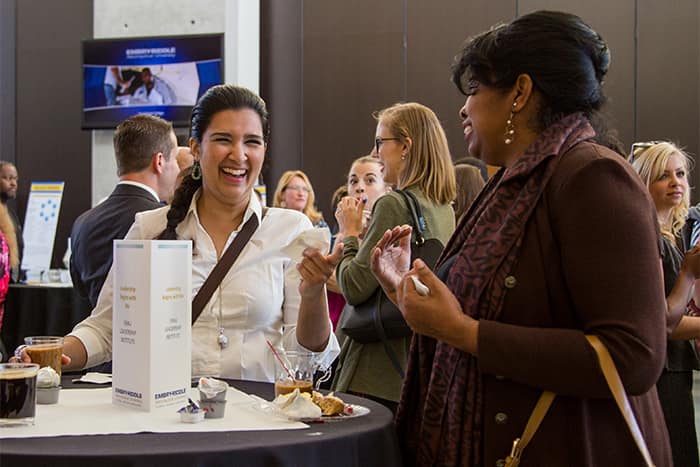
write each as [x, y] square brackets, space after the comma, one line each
[612, 377]
[222, 267]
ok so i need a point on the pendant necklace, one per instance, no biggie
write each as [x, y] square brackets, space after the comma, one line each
[221, 339]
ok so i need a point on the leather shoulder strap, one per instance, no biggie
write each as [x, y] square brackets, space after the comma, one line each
[613, 379]
[224, 265]
[417, 219]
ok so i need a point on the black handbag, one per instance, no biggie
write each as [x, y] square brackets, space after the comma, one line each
[377, 318]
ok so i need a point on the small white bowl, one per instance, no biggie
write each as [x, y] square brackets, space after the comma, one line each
[47, 395]
[192, 417]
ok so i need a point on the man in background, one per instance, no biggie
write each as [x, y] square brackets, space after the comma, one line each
[8, 191]
[154, 90]
[185, 158]
[145, 148]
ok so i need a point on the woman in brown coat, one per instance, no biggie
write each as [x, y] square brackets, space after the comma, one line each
[557, 246]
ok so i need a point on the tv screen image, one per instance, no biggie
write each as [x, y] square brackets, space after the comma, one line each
[162, 76]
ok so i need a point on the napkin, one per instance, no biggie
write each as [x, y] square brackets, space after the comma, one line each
[47, 378]
[296, 405]
[312, 238]
[211, 387]
[95, 378]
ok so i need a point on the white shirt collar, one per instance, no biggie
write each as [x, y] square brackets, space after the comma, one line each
[254, 207]
[141, 185]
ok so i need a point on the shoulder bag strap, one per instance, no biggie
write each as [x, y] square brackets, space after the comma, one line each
[615, 384]
[533, 423]
[418, 225]
[417, 219]
[223, 265]
[612, 377]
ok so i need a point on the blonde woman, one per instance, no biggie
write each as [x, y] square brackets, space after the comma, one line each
[294, 191]
[412, 147]
[663, 168]
[9, 255]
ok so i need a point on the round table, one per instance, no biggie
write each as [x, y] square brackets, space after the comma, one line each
[369, 440]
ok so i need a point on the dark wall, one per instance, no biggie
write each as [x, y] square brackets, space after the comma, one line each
[49, 142]
[327, 66]
[7, 80]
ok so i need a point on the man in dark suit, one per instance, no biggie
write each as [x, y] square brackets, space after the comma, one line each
[145, 148]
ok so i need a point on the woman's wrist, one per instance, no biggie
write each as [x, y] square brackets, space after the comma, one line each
[464, 335]
[350, 232]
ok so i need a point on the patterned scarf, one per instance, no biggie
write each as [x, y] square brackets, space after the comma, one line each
[439, 421]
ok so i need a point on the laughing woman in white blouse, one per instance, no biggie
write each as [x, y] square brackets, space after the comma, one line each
[265, 295]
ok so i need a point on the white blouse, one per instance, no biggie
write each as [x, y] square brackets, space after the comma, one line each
[257, 300]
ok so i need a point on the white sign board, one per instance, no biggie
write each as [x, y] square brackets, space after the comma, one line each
[152, 323]
[40, 226]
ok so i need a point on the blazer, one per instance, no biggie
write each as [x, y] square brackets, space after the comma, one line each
[589, 264]
[93, 232]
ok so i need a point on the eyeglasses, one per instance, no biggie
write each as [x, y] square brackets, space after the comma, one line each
[379, 141]
[302, 189]
[639, 147]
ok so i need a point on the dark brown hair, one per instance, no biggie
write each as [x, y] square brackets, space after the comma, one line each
[215, 100]
[565, 58]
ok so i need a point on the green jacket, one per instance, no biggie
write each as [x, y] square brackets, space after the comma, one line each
[365, 368]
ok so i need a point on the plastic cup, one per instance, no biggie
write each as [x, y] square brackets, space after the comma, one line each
[298, 374]
[17, 393]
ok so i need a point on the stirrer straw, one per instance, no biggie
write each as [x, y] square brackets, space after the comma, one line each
[279, 359]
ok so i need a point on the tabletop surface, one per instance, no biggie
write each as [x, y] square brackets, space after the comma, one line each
[363, 441]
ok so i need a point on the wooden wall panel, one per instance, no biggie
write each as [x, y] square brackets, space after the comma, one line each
[435, 33]
[7, 79]
[615, 22]
[667, 79]
[353, 65]
[353, 60]
[50, 144]
[281, 84]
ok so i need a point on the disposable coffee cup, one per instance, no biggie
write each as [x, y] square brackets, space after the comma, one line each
[215, 407]
[45, 351]
[212, 396]
[17, 393]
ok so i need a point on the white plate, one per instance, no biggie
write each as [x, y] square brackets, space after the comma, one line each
[357, 411]
[270, 408]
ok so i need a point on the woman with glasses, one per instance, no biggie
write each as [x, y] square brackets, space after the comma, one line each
[663, 168]
[294, 191]
[560, 244]
[412, 147]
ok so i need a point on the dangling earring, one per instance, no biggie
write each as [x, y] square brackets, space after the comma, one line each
[510, 128]
[196, 171]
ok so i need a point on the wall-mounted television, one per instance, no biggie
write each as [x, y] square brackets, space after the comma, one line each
[163, 76]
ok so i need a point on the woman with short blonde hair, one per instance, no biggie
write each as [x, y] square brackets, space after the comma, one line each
[278, 201]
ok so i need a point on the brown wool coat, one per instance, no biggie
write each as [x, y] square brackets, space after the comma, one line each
[589, 261]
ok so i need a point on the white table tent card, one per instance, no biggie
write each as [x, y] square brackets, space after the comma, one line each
[152, 332]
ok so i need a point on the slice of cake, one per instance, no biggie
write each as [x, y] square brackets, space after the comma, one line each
[331, 405]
